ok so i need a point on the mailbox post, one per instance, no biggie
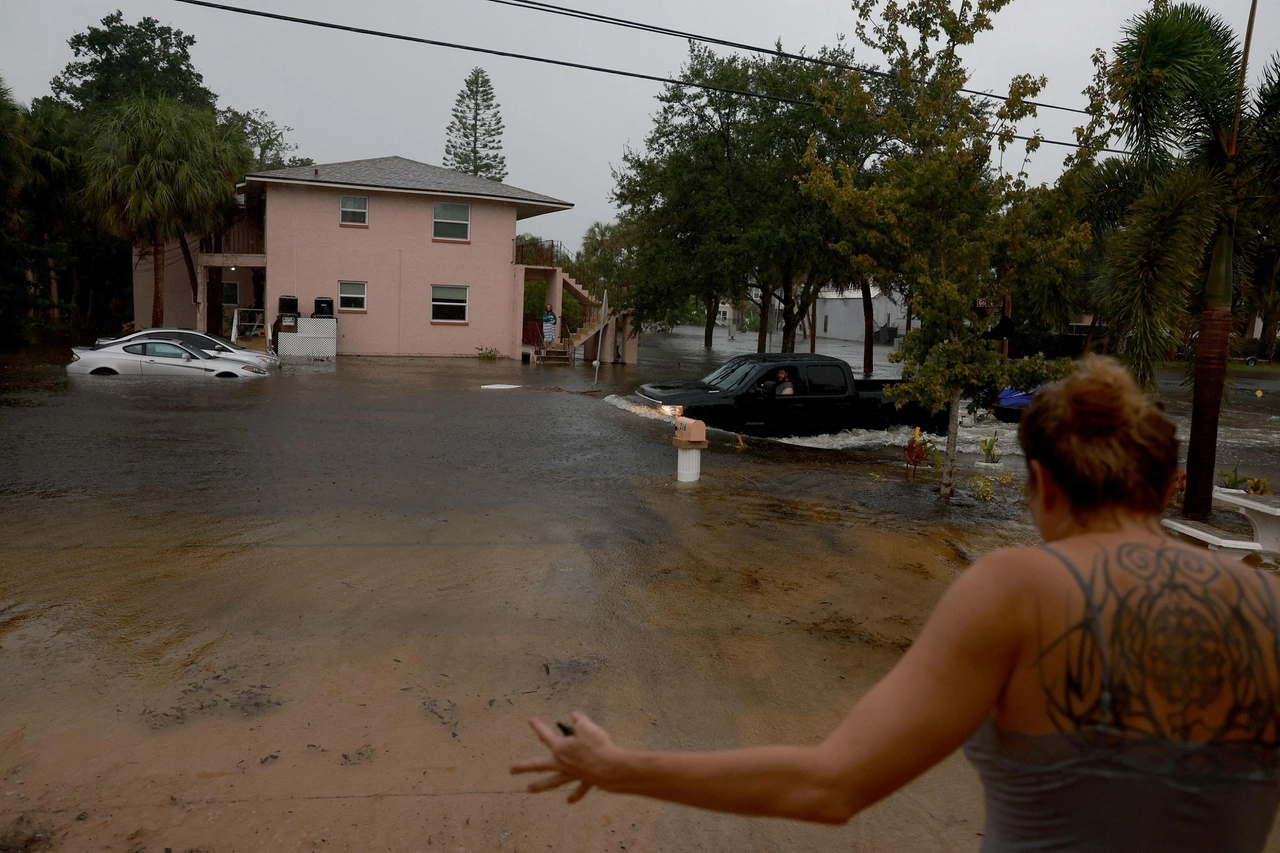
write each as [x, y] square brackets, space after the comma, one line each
[690, 440]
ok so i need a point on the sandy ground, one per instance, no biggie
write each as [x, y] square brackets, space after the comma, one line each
[315, 613]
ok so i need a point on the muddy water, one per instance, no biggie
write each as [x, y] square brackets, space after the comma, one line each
[314, 612]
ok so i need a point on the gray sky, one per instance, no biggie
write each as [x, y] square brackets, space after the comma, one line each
[349, 97]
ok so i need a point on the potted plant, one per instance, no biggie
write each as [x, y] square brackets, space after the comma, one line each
[990, 456]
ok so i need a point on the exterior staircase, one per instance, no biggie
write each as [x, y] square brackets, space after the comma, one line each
[556, 354]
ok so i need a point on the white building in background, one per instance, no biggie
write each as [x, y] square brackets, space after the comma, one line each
[840, 315]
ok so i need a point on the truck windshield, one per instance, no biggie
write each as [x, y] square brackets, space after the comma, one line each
[730, 375]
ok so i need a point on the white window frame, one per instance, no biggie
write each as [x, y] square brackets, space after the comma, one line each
[435, 219]
[364, 297]
[342, 208]
[466, 306]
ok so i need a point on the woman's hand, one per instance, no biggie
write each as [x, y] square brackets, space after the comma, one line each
[587, 757]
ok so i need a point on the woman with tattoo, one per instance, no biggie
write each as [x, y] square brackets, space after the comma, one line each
[1116, 690]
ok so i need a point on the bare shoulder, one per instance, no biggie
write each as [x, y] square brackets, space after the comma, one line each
[1010, 570]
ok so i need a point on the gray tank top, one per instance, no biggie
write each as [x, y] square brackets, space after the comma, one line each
[1100, 789]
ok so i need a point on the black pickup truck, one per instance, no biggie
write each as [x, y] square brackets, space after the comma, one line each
[746, 395]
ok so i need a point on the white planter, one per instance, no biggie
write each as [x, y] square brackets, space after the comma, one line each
[999, 464]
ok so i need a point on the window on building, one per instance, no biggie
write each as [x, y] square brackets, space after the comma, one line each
[452, 222]
[354, 210]
[231, 293]
[351, 295]
[826, 379]
[448, 303]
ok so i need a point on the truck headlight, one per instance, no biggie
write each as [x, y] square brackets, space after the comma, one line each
[673, 411]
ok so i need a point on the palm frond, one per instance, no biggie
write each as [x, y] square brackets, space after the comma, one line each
[1154, 260]
[1174, 80]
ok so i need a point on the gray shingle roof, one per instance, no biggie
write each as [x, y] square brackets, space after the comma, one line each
[401, 173]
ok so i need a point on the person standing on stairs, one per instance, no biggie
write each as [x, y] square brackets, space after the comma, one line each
[548, 327]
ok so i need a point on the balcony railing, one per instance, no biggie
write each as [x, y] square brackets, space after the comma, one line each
[243, 238]
[540, 254]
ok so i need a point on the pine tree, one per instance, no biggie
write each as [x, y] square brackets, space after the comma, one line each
[473, 142]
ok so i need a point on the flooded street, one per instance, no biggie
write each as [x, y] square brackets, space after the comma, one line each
[314, 612]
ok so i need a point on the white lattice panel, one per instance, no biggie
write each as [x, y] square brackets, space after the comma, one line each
[316, 338]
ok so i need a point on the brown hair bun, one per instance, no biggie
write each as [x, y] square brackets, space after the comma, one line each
[1103, 440]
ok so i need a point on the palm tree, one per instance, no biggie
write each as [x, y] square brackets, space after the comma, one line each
[157, 170]
[1202, 148]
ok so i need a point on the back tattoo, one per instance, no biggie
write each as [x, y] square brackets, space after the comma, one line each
[1172, 644]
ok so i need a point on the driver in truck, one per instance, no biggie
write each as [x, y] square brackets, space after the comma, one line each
[784, 388]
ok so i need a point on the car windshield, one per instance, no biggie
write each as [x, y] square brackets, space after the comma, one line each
[226, 343]
[731, 375]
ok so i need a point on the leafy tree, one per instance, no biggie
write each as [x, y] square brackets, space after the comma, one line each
[937, 221]
[266, 139]
[714, 203]
[15, 293]
[473, 141]
[119, 60]
[1197, 197]
[158, 170]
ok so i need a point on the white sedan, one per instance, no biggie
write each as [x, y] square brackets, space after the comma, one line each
[206, 343]
[157, 358]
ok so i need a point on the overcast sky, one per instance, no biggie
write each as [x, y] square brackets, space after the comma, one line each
[350, 97]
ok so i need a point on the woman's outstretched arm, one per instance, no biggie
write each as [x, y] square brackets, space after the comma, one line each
[945, 686]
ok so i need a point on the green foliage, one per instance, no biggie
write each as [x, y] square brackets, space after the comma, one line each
[937, 225]
[265, 138]
[488, 353]
[982, 488]
[159, 169]
[119, 60]
[1192, 208]
[1252, 485]
[990, 454]
[712, 205]
[473, 140]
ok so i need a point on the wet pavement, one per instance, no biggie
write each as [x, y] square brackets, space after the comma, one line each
[314, 612]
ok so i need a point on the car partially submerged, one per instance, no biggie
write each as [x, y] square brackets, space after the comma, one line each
[158, 358]
[203, 341]
[788, 394]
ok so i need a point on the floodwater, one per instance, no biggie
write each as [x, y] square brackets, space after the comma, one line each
[314, 612]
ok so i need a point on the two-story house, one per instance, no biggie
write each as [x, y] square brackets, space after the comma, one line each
[418, 259]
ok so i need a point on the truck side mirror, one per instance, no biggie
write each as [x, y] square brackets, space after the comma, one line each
[768, 386]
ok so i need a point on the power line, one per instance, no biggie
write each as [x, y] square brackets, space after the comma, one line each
[257, 13]
[537, 6]
[635, 75]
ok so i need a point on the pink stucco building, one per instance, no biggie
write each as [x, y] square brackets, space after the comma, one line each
[418, 259]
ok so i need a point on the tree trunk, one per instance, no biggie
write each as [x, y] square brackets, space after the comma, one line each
[157, 280]
[1093, 326]
[868, 330]
[54, 314]
[1270, 326]
[1210, 378]
[789, 323]
[708, 332]
[191, 269]
[953, 436]
[813, 326]
[762, 341]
